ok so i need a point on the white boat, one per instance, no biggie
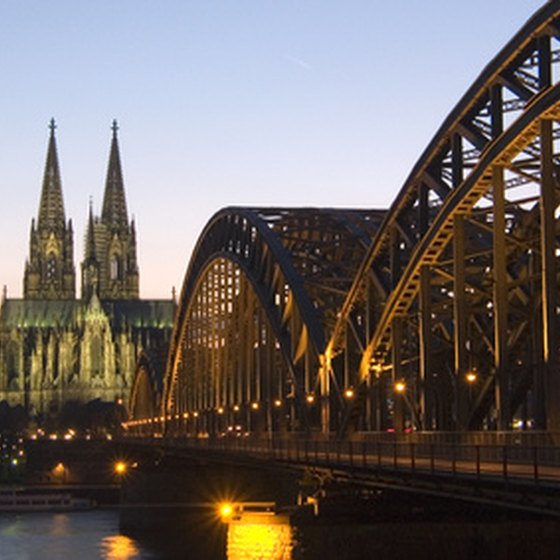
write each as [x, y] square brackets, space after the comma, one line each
[24, 500]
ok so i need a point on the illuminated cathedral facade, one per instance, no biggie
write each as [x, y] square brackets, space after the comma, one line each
[56, 346]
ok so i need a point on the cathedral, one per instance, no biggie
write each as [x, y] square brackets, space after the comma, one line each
[56, 347]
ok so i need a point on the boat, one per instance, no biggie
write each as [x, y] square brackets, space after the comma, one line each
[25, 500]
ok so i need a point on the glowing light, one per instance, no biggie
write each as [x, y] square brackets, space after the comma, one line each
[273, 541]
[255, 405]
[120, 467]
[195, 414]
[119, 547]
[400, 386]
[220, 410]
[349, 393]
[471, 377]
[236, 408]
[226, 510]
[277, 403]
[310, 398]
[185, 415]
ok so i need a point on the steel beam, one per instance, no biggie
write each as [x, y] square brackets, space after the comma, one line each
[500, 303]
[425, 336]
[549, 285]
[459, 321]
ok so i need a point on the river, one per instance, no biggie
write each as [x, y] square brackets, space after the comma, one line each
[94, 535]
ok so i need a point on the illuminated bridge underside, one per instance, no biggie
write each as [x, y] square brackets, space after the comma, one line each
[297, 319]
[259, 302]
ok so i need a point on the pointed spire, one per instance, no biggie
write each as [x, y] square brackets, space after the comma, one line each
[51, 207]
[114, 212]
[90, 254]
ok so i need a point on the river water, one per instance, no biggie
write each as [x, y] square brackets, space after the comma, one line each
[94, 535]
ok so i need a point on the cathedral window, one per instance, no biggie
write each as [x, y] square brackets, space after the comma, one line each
[96, 349]
[115, 269]
[51, 267]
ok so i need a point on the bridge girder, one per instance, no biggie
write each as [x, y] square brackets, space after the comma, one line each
[469, 251]
[458, 277]
[258, 302]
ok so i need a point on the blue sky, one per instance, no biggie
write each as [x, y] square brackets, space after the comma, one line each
[227, 102]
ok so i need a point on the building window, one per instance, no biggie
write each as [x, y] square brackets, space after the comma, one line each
[51, 267]
[115, 269]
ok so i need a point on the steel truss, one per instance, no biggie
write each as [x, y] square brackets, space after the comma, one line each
[467, 256]
[258, 304]
[308, 319]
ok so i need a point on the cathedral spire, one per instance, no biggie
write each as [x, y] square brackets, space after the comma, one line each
[51, 207]
[90, 255]
[114, 214]
[49, 270]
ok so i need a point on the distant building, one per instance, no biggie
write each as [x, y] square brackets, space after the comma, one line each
[55, 348]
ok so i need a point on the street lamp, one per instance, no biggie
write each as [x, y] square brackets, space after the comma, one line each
[400, 387]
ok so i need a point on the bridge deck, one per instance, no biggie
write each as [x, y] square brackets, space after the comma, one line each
[523, 477]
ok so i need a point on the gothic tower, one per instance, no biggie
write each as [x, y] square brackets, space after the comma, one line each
[49, 270]
[110, 267]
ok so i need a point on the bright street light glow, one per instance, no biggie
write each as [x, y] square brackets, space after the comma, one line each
[226, 510]
[400, 386]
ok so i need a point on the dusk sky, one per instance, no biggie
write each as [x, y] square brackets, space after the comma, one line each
[230, 102]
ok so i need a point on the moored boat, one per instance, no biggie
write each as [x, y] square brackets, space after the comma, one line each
[25, 500]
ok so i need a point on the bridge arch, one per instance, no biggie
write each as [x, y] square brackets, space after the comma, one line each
[258, 302]
[468, 254]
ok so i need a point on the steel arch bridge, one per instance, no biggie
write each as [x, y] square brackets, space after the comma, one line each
[440, 313]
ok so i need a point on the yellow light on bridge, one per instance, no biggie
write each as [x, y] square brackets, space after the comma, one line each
[400, 386]
[255, 405]
[471, 377]
[220, 410]
[236, 408]
[310, 398]
[120, 467]
[226, 510]
[349, 393]
[277, 403]
[195, 414]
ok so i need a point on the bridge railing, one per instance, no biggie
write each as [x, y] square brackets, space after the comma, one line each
[533, 464]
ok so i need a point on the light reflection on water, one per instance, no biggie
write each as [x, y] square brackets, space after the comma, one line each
[92, 535]
[119, 547]
[95, 535]
[259, 538]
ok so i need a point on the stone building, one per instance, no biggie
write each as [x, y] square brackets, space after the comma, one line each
[55, 347]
